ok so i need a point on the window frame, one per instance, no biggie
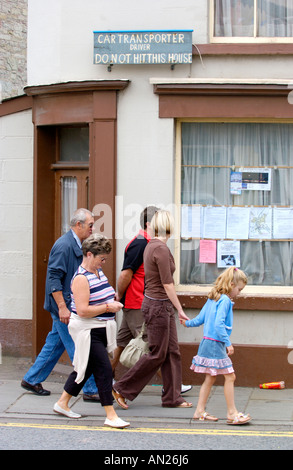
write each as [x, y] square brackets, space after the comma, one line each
[205, 288]
[242, 39]
[74, 169]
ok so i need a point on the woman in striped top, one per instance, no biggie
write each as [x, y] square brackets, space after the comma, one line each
[101, 293]
[93, 328]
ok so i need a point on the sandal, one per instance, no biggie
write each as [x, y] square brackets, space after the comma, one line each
[120, 400]
[184, 404]
[240, 418]
[205, 417]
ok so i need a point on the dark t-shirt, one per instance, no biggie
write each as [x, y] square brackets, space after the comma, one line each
[159, 267]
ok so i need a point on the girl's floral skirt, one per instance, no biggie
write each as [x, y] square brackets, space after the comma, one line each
[212, 358]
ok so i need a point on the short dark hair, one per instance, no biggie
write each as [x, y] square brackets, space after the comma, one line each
[97, 245]
[147, 215]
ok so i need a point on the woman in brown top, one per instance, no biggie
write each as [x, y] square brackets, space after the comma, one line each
[158, 309]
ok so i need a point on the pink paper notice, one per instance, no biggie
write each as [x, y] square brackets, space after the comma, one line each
[207, 251]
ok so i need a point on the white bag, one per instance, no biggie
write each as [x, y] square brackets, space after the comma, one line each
[136, 348]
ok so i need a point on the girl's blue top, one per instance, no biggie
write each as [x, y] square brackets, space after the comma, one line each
[217, 318]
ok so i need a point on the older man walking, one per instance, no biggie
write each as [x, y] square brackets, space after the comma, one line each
[65, 257]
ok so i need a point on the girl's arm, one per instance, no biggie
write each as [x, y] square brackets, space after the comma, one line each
[196, 321]
[223, 311]
[81, 294]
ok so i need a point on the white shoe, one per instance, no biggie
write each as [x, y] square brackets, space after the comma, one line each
[185, 388]
[116, 423]
[69, 414]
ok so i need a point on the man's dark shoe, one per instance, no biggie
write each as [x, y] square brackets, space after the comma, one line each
[92, 398]
[36, 389]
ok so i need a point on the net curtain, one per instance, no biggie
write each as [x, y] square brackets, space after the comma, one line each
[236, 18]
[210, 151]
[69, 201]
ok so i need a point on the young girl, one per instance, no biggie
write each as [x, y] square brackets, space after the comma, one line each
[215, 348]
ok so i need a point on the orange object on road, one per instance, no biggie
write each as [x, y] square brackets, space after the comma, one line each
[273, 385]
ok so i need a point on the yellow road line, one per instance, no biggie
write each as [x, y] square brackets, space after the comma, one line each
[192, 431]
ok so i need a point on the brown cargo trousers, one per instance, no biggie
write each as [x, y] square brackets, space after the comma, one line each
[164, 353]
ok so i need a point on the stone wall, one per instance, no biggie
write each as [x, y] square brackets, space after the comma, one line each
[13, 46]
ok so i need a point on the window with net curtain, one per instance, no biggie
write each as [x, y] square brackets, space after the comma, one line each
[246, 18]
[210, 151]
[74, 147]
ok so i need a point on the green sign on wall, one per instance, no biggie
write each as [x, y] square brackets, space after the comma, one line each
[143, 47]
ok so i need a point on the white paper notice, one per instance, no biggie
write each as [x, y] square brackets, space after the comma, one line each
[236, 182]
[283, 223]
[260, 223]
[257, 179]
[190, 221]
[228, 253]
[238, 223]
[214, 222]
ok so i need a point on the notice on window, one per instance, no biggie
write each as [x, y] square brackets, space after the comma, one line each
[256, 179]
[236, 182]
[190, 221]
[214, 222]
[228, 253]
[283, 223]
[207, 251]
[260, 223]
[238, 222]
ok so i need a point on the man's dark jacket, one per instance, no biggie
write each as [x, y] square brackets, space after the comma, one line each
[65, 257]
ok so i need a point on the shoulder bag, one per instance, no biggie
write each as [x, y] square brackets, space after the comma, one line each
[136, 348]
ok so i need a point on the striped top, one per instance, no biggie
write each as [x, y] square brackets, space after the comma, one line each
[100, 292]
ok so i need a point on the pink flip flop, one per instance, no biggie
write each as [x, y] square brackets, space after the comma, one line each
[205, 417]
[240, 418]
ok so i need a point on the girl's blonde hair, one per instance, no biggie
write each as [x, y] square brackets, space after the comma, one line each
[162, 223]
[224, 283]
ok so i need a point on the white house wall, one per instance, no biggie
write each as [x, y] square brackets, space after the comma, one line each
[16, 200]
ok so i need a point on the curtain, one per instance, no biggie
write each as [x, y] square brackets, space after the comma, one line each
[68, 201]
[275, 18]
[235, 18]
[210, 151]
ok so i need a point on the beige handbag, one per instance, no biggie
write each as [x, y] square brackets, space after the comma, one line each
[136, 348]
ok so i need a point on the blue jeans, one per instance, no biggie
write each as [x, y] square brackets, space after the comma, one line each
[57, 341]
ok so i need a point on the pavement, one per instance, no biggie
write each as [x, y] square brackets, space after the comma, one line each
[269, 409]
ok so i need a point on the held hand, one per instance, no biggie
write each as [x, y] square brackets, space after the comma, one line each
[230, 350]
[182, 315]
[182, 322]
